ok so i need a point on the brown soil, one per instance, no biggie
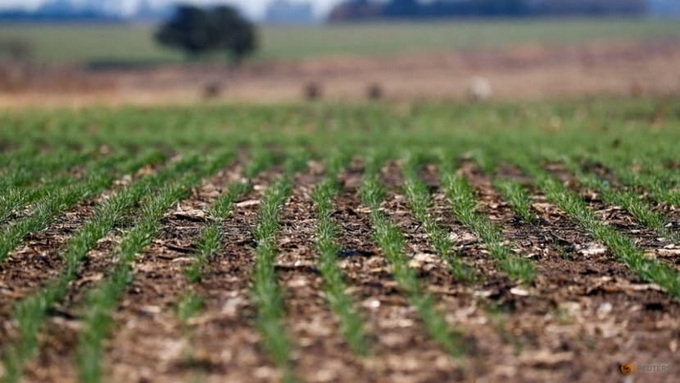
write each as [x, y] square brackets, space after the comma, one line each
[38, 259]
[526, 72]
[656, 244]
[582, 316]
[585, 313]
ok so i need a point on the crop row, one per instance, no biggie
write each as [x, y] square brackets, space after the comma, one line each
[420, 202]
[58, 199]
[390, 240]
[621, 245]
[104, 297]
[327, 247]
[265, 291]
[30, 313]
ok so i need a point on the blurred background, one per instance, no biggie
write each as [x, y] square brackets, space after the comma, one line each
[148, 52]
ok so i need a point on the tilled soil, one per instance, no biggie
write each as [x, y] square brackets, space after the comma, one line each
[583, 315]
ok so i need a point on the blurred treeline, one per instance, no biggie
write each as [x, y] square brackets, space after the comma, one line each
[414, 9]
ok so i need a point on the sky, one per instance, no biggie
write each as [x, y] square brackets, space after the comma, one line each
[252, 8]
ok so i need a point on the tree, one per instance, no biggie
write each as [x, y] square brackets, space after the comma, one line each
[198, 31]
[233, 32]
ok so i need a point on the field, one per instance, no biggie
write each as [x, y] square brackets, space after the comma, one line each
[134, 44]
[426, 241]
[118, 65]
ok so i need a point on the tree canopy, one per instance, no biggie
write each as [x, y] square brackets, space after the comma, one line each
[197, 31]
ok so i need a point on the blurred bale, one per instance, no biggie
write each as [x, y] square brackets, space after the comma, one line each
[313, 91]
[374, 92]
[636, 89]
[212, 90]
[479, 89]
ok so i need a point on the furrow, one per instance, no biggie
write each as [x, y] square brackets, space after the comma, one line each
[326, 244]
[97, 321]
[48, 208]
[463, 205]
[29, 313]
[150, 321]
[624, 210]
[542, 320]
[318, 347]
[37, 258]
[390, 239]
[224, 342]
[420, 204]
[398, 345]
[620, 245]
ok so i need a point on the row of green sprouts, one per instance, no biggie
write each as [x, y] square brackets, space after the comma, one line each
[421, 204]
[152, 195]
[328, 248]
[390, 239]
[58, 198]
[17, 183]
[104, 297]
[265, 292]
[621, 246]
[29, 314]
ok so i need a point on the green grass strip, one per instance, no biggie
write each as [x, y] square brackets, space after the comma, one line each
[59, 200]
[389, 238]
[100, 301]
[463, 205]
[15, 198]
[660, 183]
[16, 195]
[209, 240]
[642, 211]
[265, 291]
[517, 197]
[189, 306]
[29, 314]
[420, 203]
[26, 168]
[620, 245]
[261, 160]
[669, 193]
[351, 324]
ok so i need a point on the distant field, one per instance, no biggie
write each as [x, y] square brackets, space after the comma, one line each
[134, 43]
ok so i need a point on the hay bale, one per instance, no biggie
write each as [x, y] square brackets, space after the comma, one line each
[479, 89]
[313, 91]
[212, 90]
[636, 89]
[374, 91]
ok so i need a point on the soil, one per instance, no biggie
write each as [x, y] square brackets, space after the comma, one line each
[583, 315]
[526, 72]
